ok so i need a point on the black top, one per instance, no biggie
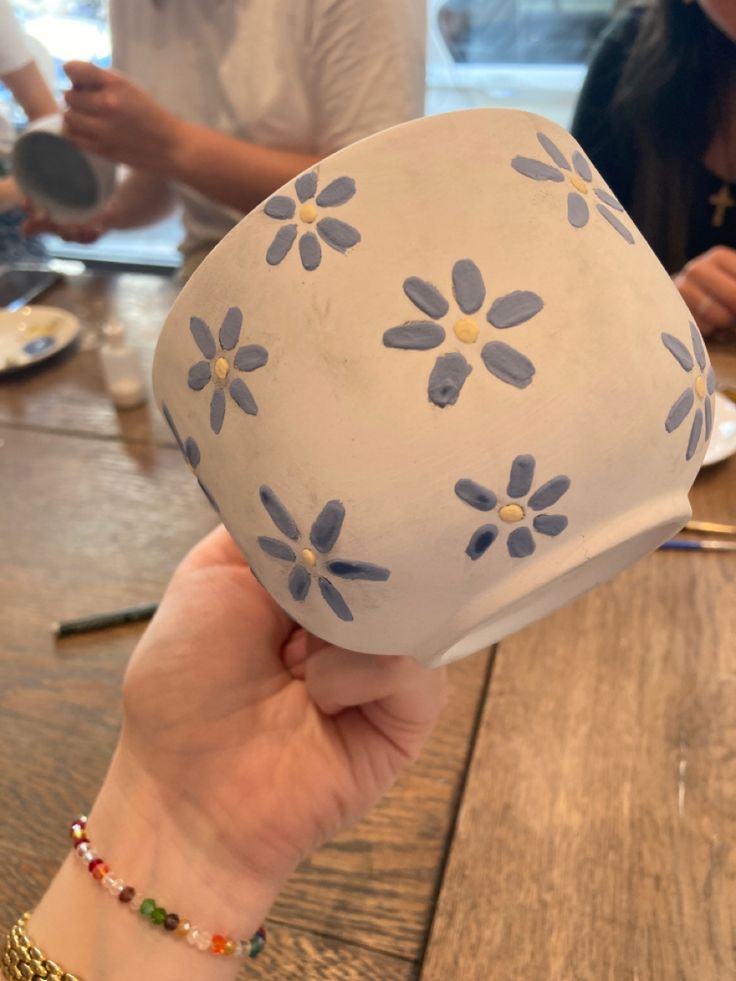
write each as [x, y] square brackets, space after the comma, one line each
[711, 223]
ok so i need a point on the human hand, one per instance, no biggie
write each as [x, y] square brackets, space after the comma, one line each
[10, 195]
[246, 743]
[107, 114]
[708, 285]
[39, 222]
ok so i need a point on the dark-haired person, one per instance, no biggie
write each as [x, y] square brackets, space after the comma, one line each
[657, 115]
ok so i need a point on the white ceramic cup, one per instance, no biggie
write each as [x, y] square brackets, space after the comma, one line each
[438, 386]
[56, 175]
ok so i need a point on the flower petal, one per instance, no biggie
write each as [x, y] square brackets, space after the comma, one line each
[514, 309]
[279, 248]
[537, 170]
[708, 419]
[582, 166]
[678, 350]
[608, 199]
[557, 155]
[277, 549]
[695, 431]
[522, 476]
[306, 185]
[698, 346]
[334, 600]
[243, 397]
[208, 494]
[191, 452]
[550, 524]
[310, 251]
[417, 335]
[447, 379]
[347, 569]
[281, 207]
[711, 381]
[203, 337]
[217, 410]
[278, 513]
[549, 493]
[679, 410]
[476, 495]
[481, 540]
[426, 296]
[338, 234]
[615, 223]
[507, 364]
[230, 329]
[299, 583]
[250, 357]
[199, 375]
[468, 286]
[327, 526]
[577, 210]
[337, 192]
[520, 543]
[172, 427]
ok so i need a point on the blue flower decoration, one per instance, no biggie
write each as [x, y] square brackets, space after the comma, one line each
[517, 509]
[314, 562]
[337, 234]
[700, 388]
[217, 369]
[579, 176]
[451, 369]
[190, 452]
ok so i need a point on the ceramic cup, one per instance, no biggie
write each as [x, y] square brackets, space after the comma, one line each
[56, 175]
[438, 385]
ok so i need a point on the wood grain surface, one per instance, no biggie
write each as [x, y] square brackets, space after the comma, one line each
[597, 834]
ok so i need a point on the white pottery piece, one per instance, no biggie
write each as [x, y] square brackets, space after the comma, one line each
[56, 175]
[438, 386]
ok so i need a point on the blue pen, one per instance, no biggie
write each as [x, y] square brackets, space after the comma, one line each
[698, 545]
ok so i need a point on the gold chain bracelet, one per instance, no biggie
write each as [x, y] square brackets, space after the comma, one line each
[22, 961]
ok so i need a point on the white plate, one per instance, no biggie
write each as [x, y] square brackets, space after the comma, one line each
[723, 439]
[33, 334]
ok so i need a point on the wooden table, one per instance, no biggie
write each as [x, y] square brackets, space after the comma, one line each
[574, 814]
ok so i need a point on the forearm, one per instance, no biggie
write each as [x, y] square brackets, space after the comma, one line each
[231, 171]
[92, 934]
[30, 90]
[139, 199]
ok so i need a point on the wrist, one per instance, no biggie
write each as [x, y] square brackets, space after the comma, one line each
[174, 161]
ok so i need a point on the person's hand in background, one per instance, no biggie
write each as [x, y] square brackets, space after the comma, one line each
[708, 285]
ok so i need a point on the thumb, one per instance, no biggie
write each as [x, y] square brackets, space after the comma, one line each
[85, 75]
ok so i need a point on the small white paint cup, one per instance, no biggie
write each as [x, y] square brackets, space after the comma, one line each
[56, 175]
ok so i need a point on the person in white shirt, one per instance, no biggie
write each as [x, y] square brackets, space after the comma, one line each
[216, 105]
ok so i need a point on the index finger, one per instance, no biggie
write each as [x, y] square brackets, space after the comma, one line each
[725, 258]
[83, 74]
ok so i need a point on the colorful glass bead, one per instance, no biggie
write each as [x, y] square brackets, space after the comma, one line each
[158, 916]
[218, 944]
[100, 870]
[257, 943]
[182, 928]
[135, 904]
[94, 863]
[204, 940]
[193, 936]
[229, 948]
[78, 842]
[237, 948]
[78, 832]
[171, 922]
[126, 894]
[147, 907]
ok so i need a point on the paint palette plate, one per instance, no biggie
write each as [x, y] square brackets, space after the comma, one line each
[723, 440]
[33, 334]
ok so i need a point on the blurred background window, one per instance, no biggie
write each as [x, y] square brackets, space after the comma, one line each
[527, 54]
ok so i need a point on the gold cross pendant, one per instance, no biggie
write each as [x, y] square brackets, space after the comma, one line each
[721, 202]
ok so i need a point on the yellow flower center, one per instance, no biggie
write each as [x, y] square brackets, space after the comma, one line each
[466, 330]
[578, 183]
[700, 386]
[308, 212]
[309, 557]
[222, 368]
[511, 513]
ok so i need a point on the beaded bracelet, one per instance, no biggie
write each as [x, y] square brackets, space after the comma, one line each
[21, 959]
[149, 908]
